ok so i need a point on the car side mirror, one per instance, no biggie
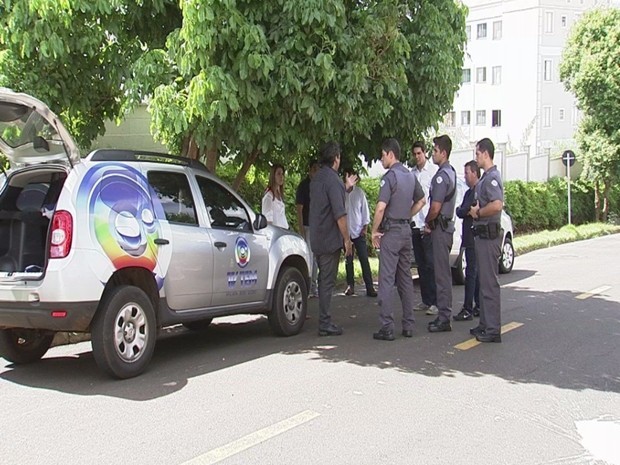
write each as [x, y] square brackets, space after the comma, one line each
[260, 222]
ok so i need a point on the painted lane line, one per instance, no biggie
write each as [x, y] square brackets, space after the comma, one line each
[593, 292]
[469, 343]
[252, 439]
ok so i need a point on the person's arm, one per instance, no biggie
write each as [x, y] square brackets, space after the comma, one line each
[376, 235]
[417, 206]
[463, 210]
[267, 207]
[490, 209]
[344, 230]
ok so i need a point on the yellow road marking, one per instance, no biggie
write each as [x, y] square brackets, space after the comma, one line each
[593, 292]
[469, 343]
[252, 439]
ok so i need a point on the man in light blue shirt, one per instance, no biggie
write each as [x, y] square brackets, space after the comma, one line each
[358, 217]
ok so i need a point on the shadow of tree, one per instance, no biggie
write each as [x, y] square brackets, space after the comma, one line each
[564, 342]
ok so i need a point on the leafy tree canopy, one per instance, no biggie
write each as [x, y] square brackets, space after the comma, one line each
[252, 80]
[590, 68]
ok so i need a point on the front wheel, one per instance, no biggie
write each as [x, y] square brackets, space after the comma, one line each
[290, 303]
[124, 332]
[507, 260]
[21, 345]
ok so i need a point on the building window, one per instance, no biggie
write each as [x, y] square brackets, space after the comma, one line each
[449, 119]
[481, 74]
[576, 116]
[497, 30]
[546, 117]
[466, 78]
[468, 32]
[481, 117]
[496, 78]
[563, 20]
[561, 114]
[465, 118]
[549, 22]
[496, 118]
[547, 70]
[482, 31]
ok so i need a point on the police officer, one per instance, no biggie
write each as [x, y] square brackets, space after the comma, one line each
[400, 197]
[488, 241]
[440, 225]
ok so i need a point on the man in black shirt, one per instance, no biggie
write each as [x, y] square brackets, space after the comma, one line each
[329, 231]
[302, 201]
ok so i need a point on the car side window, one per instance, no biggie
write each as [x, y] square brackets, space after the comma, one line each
[225, 211]
[175, 195]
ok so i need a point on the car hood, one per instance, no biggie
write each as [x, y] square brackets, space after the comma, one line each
[30, 133]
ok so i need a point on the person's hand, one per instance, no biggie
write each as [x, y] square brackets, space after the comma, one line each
[350, 181]
[348, 248]
[474, 211]
[376, 239]
[427, 230]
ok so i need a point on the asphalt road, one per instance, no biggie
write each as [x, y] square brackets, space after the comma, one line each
[549, 394]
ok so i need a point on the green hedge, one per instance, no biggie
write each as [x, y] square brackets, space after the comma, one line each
[535, 206]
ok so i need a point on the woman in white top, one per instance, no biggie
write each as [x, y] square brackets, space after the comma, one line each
[273, 200]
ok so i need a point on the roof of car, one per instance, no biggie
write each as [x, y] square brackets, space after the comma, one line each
[138, 155]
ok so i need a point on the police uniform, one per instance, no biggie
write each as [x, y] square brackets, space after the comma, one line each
[399, 190]
[488, 243]
[443, 190]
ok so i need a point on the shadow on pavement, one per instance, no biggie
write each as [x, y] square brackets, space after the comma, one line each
[564, 342]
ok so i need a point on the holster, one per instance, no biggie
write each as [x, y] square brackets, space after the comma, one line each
[487, 231]
[384, 226]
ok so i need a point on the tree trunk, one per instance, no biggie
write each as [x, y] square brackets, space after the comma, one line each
[606, 190]
[597, 202]
[244, 169]
[211, 156]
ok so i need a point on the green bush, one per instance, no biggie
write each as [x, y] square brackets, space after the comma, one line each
[535, 206]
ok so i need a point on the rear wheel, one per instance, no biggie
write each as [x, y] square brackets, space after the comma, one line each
[290, 303]
[124, 332]
[20, 345]
[507, 260]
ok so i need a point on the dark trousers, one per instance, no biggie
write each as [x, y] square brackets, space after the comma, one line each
[488, 252]
[361, 248]
[472, 283]
[328, 270]
[395, 269]
[423, 253]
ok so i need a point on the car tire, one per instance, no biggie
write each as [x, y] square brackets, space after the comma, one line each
[507, 259]
[124, 332]
[290, 303]
[21, 345]
[458, 269]
[199, 325]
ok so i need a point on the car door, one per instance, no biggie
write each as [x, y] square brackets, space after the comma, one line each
[188, 282]
[240, 256]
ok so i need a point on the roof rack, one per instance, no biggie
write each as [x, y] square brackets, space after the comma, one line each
[139, 155]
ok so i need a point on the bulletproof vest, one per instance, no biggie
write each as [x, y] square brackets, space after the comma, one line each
[449, 201]
[401, 197]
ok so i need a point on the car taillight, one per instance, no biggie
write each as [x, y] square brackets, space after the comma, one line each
[62, 234]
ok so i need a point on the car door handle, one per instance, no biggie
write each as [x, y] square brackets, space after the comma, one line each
[160, 241]
[220, 245]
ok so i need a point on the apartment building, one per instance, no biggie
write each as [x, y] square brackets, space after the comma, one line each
[511, 89]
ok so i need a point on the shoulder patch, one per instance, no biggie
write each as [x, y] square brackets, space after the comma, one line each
[439, 179]
[382, 183]
[494, 183]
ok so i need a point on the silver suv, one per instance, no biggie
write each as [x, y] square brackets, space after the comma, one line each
[122, 243]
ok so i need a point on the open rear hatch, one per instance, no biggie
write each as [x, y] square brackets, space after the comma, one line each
[40, 152]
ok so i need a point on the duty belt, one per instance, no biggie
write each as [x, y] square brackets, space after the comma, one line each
[392, 220]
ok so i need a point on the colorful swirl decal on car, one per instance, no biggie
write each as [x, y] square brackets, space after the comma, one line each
[124, 217]
[242, 252]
